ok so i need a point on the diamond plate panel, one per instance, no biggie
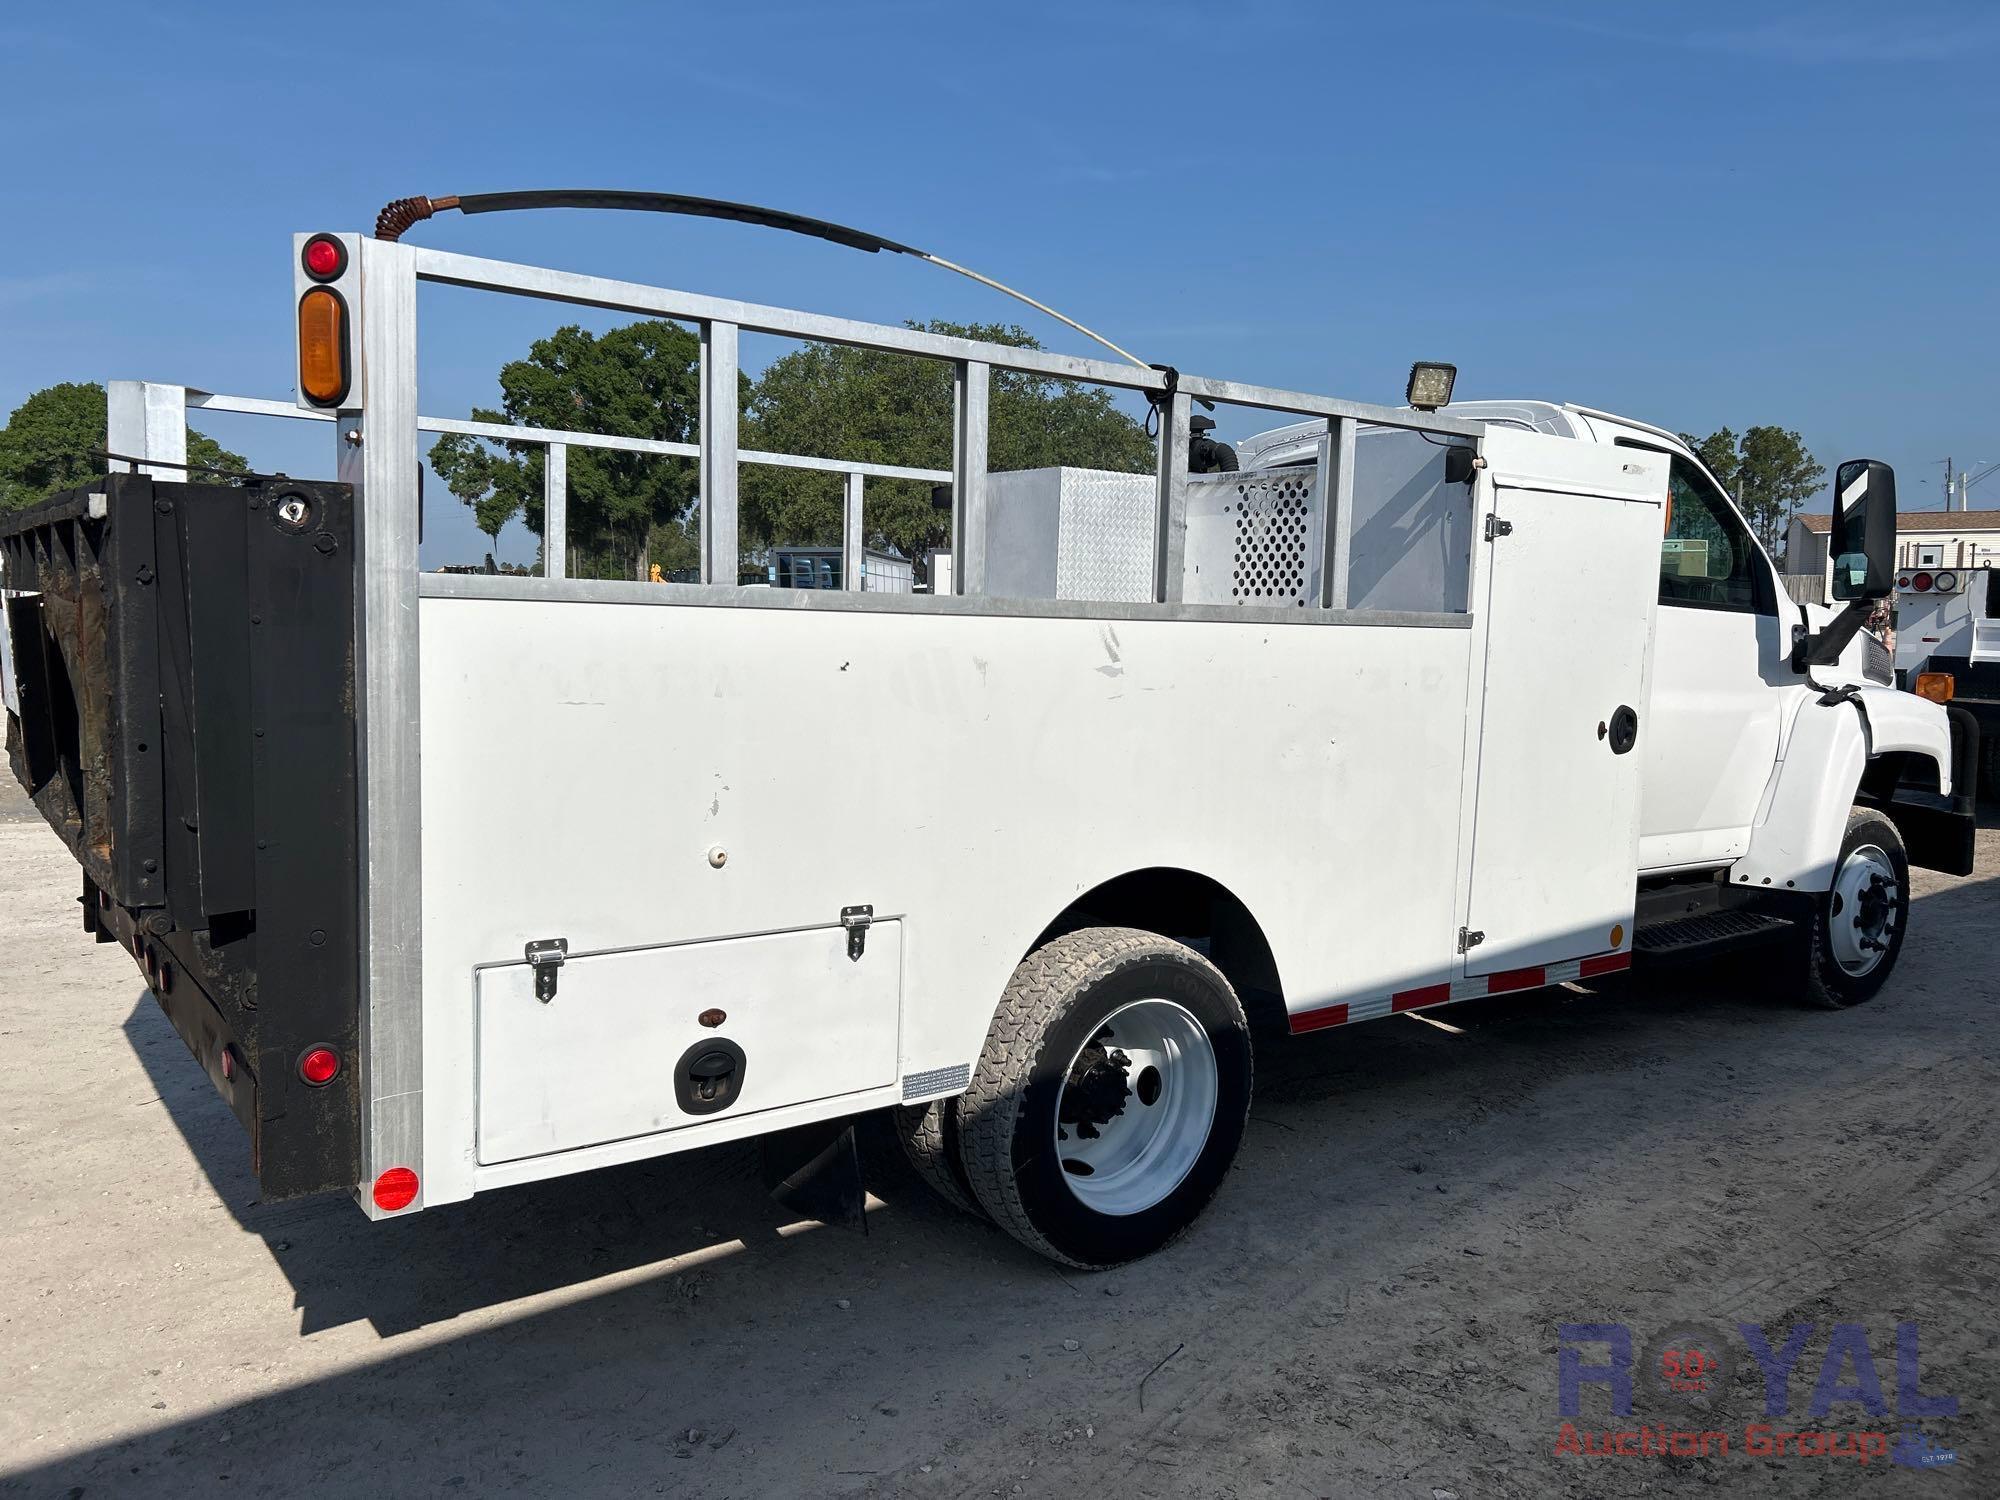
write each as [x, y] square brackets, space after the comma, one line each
[1106, 551]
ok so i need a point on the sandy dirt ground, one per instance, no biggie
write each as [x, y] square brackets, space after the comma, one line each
[1370, 1306]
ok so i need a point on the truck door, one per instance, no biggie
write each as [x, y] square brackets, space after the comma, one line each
[1720, 670]
[1571, 581]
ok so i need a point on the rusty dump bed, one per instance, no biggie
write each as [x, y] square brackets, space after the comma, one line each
[183, 669]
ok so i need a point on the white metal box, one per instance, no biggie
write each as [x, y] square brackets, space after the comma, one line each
[1254, 538]
[883, 574]
[1070, 534]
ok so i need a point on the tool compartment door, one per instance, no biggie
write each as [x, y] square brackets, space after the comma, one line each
[1571, 592]
[600, 1060]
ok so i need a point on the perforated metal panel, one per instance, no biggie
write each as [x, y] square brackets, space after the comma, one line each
[1255, 538]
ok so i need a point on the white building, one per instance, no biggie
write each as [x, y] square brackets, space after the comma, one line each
[1924, 539]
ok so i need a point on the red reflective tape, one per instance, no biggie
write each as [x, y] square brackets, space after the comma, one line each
[1429, 994]
[1516, 979]
[1317, 1020]
[1604, 963]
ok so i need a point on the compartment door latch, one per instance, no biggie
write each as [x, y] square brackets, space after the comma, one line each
[856, 920]
[545, 957]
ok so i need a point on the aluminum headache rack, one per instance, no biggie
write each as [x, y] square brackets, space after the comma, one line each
[376, 425]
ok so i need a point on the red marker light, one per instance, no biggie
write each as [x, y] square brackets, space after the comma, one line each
[319, 1066]
[395, 1188]
[325, 257]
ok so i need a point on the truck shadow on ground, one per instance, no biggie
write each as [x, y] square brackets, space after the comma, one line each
[685, 1299]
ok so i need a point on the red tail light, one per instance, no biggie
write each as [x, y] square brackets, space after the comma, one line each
[319, 1066]
[325, 257]
[1921, 583]
[395, 1188]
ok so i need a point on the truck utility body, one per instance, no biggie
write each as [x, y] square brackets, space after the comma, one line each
[1948, 647]
[1403, 712]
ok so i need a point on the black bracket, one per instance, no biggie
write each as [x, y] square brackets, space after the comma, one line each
[1497, 527]
[545, 957]
[1823, 648]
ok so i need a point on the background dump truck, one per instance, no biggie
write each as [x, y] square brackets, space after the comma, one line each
[1413, 706]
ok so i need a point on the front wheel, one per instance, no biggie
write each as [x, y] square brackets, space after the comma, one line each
[1858, 926]
[1110, 1098]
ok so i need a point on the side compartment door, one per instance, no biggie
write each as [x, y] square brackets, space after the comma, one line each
[642, 1040]
[1572, 574]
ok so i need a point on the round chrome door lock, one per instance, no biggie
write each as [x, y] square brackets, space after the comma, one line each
[291, 510]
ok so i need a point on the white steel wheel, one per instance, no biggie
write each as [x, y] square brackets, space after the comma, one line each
[1137, 1103]
[1857, 927]
[1865, 909]
[1110, 1097]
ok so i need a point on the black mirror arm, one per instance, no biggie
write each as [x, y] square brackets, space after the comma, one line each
[1822, 648]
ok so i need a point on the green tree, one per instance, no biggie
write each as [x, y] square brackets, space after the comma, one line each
[867, 406]
[48, 443]
[1718, 452]
[642, 380]
[1768, 469]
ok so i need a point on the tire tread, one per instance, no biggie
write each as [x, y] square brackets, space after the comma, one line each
[920, 1129]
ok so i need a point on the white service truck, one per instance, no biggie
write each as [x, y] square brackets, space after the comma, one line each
[1947, 646]
[1294, 747]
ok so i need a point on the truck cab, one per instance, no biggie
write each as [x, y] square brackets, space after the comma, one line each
[1733, 702]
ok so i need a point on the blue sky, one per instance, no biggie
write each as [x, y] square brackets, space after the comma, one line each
[1694, 214]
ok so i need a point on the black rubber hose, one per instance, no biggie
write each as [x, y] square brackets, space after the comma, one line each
[404, 212]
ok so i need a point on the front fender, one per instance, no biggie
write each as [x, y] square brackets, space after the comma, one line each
[1796, 845]
[1903, 721]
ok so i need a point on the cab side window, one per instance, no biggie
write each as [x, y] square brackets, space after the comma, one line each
[1706, 558]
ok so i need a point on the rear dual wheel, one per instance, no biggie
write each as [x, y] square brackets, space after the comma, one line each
[1110, 1098]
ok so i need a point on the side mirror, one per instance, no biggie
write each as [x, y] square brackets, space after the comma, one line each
[1863, 540]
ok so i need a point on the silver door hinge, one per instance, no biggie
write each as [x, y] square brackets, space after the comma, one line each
[1468, 939]
[1497, 527]
[856, 920]
[545, 956]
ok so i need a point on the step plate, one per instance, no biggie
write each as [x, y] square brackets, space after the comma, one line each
[1690, 935]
